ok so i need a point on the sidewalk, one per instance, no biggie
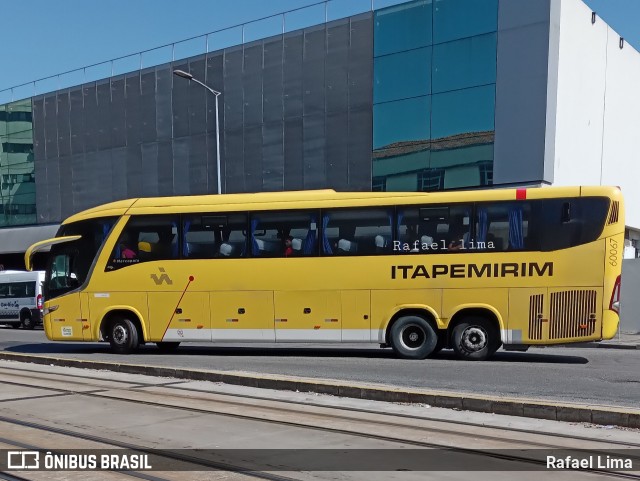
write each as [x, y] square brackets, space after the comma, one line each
[622, 340]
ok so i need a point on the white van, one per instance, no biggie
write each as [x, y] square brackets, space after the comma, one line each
[21, 298]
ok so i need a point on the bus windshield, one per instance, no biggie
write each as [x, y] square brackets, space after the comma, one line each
[70, 263]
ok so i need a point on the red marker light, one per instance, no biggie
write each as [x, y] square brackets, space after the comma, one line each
[521, 194]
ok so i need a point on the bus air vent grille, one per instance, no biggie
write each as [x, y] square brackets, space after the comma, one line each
[572, 314]
[535, 317]
[613, 214]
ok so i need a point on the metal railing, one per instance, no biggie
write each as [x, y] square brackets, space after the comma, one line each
[276, 24]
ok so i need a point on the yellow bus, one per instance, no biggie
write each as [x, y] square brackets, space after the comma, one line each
[417, 272]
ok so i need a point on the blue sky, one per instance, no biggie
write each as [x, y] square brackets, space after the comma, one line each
[42, 37]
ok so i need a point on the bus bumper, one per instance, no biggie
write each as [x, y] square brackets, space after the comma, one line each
[610, 323]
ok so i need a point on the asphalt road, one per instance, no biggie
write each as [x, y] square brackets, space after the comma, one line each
[584, 375]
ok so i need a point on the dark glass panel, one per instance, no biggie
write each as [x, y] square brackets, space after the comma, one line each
[292, 82]
[198, 97]
[454, 19]
[337, 66]
[469, 112]
[402, 27]
[314, 146]
[402, 75]
[399, 169]
[293, 154]
[401, 122]
[464, 63]
[62, 121]
[313, 70]
[272, 156]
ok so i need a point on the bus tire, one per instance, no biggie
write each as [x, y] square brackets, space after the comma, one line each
[27, 321]
[123, 336]
[412, 337]
[440, 345]
[167, 346]
[475, 339]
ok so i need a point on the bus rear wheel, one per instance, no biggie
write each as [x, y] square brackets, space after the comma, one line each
[123, 336]
[412, 337]
[167, 346]
[475, 339]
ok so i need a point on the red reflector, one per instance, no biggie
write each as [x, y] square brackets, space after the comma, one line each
[521, 194]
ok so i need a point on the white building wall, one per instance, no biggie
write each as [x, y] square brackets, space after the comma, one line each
[597, 139]
[621, 142]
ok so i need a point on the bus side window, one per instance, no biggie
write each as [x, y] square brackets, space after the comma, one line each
[284, 234]
[503, 226]
[357, 231]
[201, 235]
[144, 239]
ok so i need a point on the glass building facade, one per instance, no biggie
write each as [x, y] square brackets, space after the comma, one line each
[401, 98]
[17, 178]
[434, 95]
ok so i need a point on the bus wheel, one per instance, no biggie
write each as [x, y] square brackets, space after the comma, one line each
[167, 346]
[123, 336]
[27, 321]
[475, 339]
[440, 345]
[413, 338]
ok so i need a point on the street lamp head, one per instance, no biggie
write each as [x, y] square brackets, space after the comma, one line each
[183, 74]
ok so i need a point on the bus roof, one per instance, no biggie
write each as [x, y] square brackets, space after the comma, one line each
[324, 198]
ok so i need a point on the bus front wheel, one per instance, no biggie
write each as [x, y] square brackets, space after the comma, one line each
[412, 337]
[123, 336]
[475, 339]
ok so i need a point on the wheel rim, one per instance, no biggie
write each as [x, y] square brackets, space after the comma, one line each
[474, 339]
[120, 335]
[413, 337]
[27, 322]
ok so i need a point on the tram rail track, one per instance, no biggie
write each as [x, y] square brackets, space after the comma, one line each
[110, 393]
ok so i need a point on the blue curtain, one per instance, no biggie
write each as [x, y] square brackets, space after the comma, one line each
[254, 243]
[483, 225]
[106, 227]
[325, 241]
[516, 232]
[310, 241]
[185, 245]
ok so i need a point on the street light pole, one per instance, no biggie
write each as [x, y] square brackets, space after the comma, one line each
[188, 76]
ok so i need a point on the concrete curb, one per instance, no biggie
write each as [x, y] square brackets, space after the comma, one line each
[625, 417]
[599, 345]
